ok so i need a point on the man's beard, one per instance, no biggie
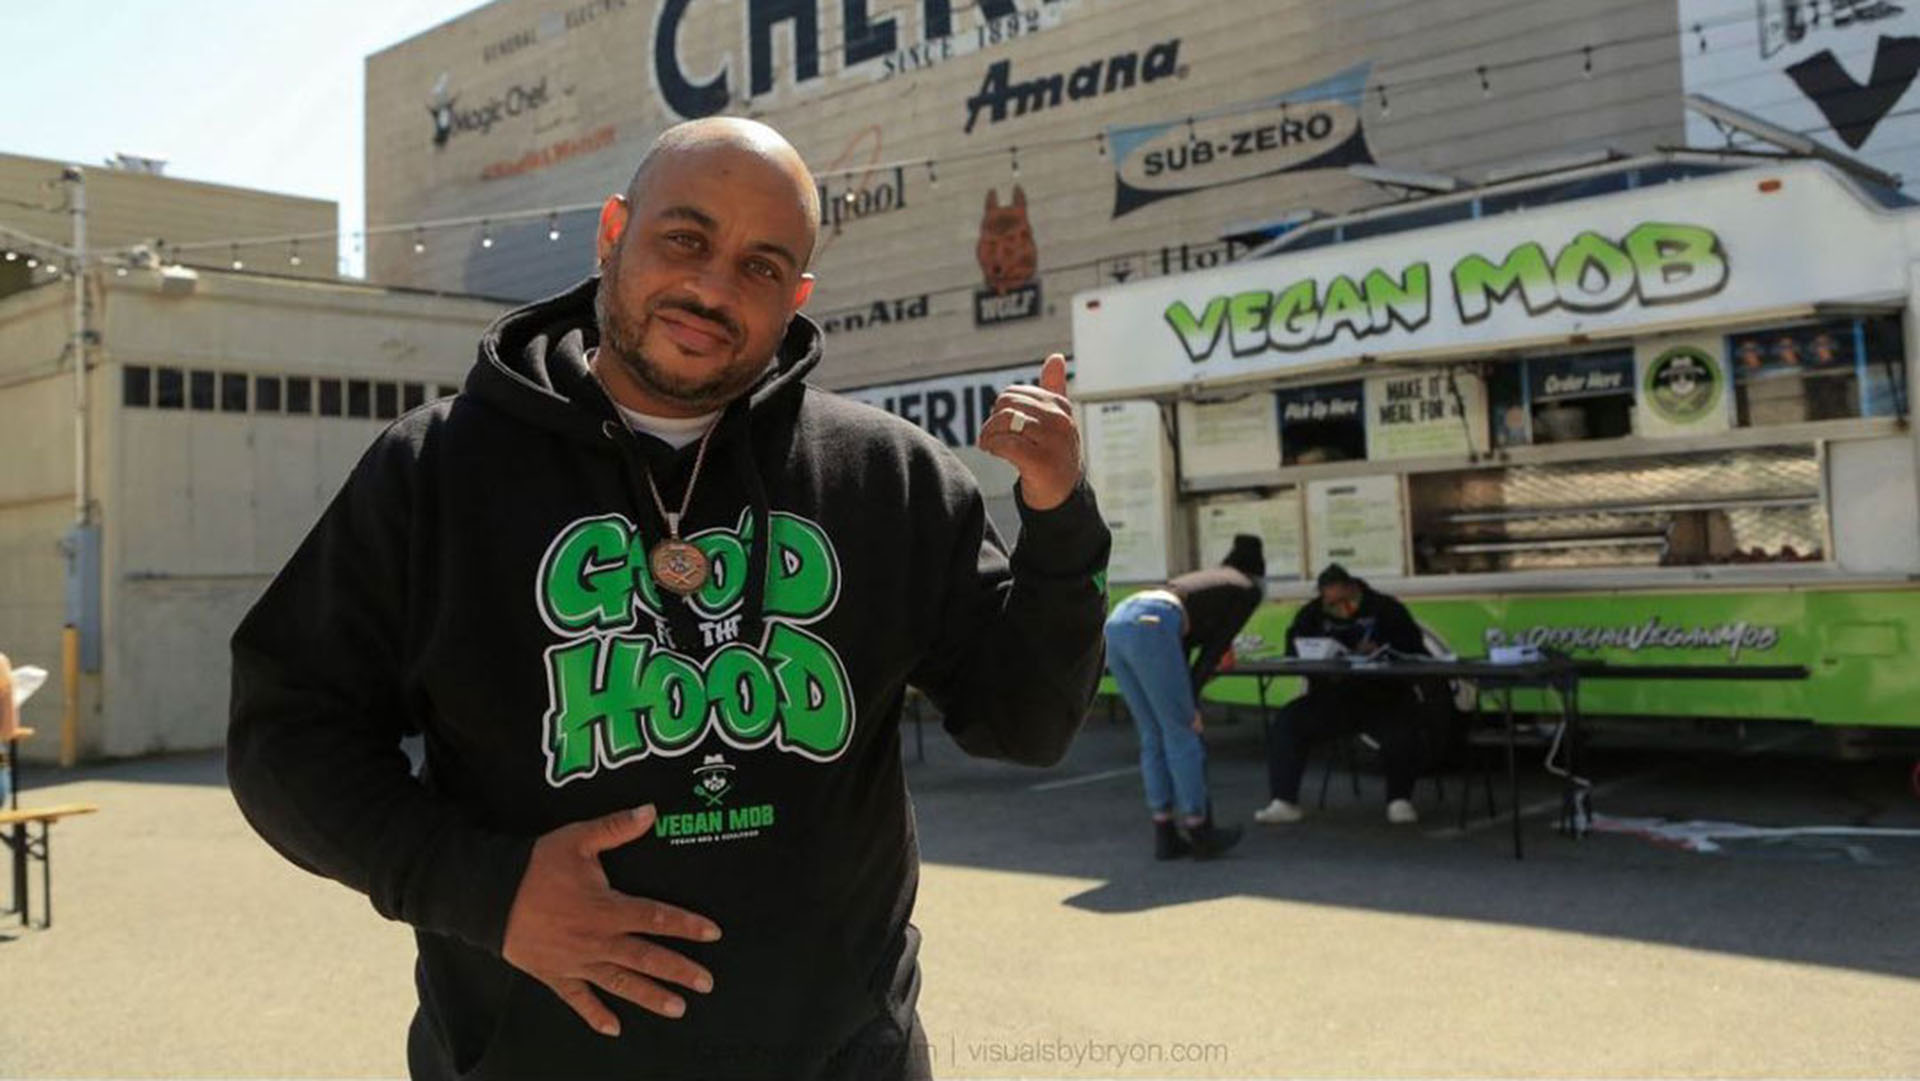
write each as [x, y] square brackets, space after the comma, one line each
[620, 342]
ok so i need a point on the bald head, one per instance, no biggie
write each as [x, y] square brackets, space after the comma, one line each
[747, 141]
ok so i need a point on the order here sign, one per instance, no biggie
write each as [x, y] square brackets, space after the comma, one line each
[1707, 247]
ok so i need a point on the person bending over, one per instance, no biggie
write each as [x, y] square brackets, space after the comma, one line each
[1150, 637]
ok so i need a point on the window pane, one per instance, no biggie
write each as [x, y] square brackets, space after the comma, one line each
[386, 400]
[266, 393]
[233, 392]
[412, 396]
[359, 402]
[299, 394]
[329, 397]
[170, 389]
[200, 390]
[1787, 375]
[136, 385]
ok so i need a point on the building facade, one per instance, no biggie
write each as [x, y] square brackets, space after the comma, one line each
[224, 410]
[982, 162]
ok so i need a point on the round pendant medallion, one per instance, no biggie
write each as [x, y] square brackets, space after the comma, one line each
[678, 566]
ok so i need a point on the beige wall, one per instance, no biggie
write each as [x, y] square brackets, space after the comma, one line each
[199, 509]
[125, 208]
[597, 74]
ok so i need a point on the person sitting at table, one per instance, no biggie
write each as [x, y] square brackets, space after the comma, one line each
[1150, 637]
[1366, 621]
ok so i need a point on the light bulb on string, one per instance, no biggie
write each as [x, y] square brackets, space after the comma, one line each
[1701, 33]
[419, 241]
[120, 271]
[32, 262]
[1013, 155]
[553, 227]
[293, 253]
[1100, 143]
[1386, 107]
[237, 263]
[12, 255]
[1486, 88]
[486, 235]
[1586, 63]
[933, 178]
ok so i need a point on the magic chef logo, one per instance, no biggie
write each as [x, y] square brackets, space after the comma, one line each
[619, 692]
[449, 118]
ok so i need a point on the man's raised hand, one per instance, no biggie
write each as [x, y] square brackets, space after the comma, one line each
[569, 928]
[1032, 427]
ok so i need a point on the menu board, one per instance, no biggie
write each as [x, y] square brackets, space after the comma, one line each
[1229, 438]
[1275, 519]
[1129, 464]
[1356, 523]
[1683, 384]
[1426, 415]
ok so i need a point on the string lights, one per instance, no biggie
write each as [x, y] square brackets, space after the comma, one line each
[1480, 74]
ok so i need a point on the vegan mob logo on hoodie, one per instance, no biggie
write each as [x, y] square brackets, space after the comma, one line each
[618, 691]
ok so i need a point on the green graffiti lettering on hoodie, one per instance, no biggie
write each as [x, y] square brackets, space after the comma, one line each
[616, 695]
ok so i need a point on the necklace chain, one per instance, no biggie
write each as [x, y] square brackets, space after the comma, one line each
[686, 499]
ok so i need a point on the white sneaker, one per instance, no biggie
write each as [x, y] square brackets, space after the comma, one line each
[1277, 813]
[1400, 812]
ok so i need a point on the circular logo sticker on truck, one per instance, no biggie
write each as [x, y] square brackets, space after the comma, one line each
[1684, 384]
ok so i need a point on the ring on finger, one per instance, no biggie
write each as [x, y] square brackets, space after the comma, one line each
[1020, 422]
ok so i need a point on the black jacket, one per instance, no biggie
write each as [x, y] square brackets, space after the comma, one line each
[480, 579]
[1218, 601]
[1380, 620]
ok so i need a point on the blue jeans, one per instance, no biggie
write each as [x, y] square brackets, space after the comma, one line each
[1148, 661]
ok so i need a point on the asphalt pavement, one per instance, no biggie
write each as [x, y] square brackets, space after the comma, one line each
[1736, 916]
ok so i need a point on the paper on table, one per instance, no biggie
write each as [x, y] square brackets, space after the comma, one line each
[27, 679]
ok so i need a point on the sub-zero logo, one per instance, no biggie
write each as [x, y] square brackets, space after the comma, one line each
[450, 119]
[1311, 127]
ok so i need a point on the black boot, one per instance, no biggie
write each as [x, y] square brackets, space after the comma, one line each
[1208, 840]
[1167, 842]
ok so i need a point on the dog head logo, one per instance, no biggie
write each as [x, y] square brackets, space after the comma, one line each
[1007, 254]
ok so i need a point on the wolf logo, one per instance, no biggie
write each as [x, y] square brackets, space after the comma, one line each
[1008, 256]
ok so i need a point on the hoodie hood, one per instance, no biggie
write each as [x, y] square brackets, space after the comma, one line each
[533, 365]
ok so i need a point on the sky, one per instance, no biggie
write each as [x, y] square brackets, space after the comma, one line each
[255, 93]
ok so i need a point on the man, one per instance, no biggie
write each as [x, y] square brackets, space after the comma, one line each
[654, 602]
[1150, 637]
[1363, 621]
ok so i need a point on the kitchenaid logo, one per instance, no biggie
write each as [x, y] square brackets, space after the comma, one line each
[1000, 95]
[1734, 636]
[880, 313]
[451, 118]
[880, 43]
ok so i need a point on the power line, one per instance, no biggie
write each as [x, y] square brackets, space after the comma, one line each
[1484, 75]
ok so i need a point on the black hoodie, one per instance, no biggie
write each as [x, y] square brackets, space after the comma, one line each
[480, 580]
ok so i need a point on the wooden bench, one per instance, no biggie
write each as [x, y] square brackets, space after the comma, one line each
[15, 835]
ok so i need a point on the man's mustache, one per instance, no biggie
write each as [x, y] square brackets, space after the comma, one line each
[711, 315]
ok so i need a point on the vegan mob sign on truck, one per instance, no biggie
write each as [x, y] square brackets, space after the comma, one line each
[1654, 263]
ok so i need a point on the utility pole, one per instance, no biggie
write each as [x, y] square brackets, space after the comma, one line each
[84, 539]
[76, 182]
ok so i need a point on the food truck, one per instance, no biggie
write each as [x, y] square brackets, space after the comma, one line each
[1651, 410]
